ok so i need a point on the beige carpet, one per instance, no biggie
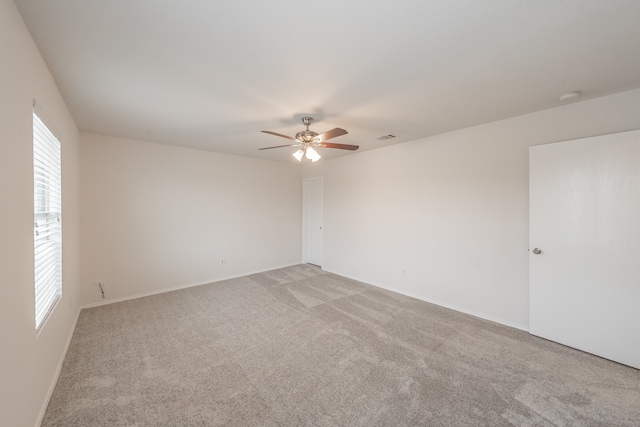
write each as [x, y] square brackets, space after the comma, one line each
[301, 347]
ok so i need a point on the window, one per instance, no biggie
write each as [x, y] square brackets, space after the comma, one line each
[47, 219]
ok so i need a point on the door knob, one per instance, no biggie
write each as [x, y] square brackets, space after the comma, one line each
[537, 251]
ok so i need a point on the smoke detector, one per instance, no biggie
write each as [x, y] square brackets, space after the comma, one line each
[570, 96]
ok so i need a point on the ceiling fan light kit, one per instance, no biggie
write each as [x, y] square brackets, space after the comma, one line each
[298, 154]
[312, 154]
[309, 140]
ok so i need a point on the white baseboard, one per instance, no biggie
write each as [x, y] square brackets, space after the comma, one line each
[52, 387]
[177, 288]
[441, 304]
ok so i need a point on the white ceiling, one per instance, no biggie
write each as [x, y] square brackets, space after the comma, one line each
[212, 74]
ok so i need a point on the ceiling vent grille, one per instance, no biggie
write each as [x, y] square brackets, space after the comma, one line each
[385, 137]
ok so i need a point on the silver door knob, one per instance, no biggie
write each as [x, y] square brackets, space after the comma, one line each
[537, 251]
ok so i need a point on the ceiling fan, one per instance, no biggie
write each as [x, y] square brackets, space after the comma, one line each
[309, 140]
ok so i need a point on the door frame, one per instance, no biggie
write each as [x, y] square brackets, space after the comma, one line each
[305, 212]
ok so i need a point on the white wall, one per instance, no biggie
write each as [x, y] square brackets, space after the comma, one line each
[452, 209]
[28, 363]
[157, 217]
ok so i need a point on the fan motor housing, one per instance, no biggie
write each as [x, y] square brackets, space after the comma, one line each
[306, 136]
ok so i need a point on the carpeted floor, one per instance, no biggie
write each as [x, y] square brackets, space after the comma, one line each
[301, 347]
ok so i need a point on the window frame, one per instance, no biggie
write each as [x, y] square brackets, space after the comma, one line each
[47, 219]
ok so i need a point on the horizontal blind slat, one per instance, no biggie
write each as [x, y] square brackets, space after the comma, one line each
[46, 277]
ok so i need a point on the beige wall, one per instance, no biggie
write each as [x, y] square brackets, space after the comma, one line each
[157, 217]
[452, 209]
[29, 363]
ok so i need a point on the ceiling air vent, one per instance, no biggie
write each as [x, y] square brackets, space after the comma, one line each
[385, 137]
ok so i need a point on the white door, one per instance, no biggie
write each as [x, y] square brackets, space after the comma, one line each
[313, 220]
[585, 219]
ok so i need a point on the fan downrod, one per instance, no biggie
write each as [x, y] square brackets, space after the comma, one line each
[307, 121]
[306, 136]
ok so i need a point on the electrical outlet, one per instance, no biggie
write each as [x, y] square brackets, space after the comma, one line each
[403, 272]
[101, 283]
[221, 261]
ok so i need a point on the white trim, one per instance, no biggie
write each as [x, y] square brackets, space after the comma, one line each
[56, 376]
[177, 288]
[441, 304]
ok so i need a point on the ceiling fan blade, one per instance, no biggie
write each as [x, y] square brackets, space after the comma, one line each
[279, 146]
[331, 134]
[278, 134]
[340, 146]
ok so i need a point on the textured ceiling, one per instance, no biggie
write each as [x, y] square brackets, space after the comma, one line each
[213, 74]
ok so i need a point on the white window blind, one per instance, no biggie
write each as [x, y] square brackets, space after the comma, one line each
[47, 219]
